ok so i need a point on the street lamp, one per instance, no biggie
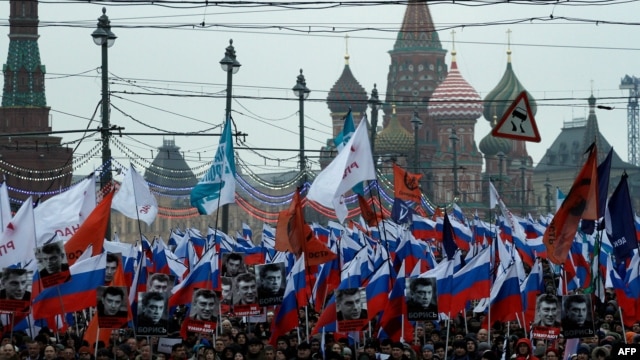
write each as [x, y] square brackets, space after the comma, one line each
[547, 185]
[375, 104]
[454, 140]
[500, 155]
[302, 92]
[523, 196]
[417, 124]
[103, 37]
[230, 65]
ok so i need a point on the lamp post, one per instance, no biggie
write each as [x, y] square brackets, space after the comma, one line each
[231, 66]
[302, 92]
[500, 155]
[523, 184]
[547, 185]
[375, 104]
[103, 37]
[417, 124]
[454, 143]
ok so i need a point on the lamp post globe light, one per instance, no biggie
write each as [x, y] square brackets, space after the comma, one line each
[230, 65]
[301, 91]
[103, 37]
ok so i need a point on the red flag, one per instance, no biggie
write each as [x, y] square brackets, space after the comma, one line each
[406, 185]
[294, 235]
[370, 216]
[91, 231]
[581, 202]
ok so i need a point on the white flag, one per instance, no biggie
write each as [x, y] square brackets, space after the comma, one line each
[64, 213]
[18, 242]
[5, 206]
[218, 186]
[134, 199]
[352, 165]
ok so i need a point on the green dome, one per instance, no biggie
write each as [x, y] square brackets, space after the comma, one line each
[501, 97]
[394, 138]
[491, 145]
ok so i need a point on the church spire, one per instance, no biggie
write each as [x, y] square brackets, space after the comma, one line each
[417, 31]
[23, 72]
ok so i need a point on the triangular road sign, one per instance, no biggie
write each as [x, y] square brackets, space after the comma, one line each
[517, 123]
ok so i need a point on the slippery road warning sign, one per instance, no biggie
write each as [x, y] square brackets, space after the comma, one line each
[517, 122]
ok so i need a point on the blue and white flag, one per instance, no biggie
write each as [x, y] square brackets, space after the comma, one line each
[347, 132]
[218, 186]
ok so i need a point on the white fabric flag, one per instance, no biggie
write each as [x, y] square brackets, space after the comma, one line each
[134, 199]
[64, 213]
[352, 165]
[5, 206]
[18, 242]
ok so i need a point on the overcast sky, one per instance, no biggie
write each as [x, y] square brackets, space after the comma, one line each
[164, 49]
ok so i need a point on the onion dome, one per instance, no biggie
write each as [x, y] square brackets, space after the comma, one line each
[170, 171]
[491, 145]
[394, 138]
[501, 97]
[347, 93]
[454, 98]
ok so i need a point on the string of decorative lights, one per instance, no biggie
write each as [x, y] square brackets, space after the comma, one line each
[257, 194]
[272, 186]
[15, 171]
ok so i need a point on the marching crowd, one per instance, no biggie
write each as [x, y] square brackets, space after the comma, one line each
[467, 339]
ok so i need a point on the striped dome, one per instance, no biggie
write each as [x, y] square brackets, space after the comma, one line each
[455, 99]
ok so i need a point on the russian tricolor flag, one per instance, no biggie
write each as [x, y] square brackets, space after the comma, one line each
[286, 316]
[506, 300]
[378, 290]
[77, 294]
[472, 281]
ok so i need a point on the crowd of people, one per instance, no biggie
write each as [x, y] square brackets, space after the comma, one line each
[456, 339]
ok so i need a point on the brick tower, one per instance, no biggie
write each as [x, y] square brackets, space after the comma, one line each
[32, 162]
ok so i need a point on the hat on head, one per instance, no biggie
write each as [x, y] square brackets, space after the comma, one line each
[397, 345]
[84, 349]
[304, 346]
[427, 347]
[256, 341]
[346, 351]
[59, 346]
[583, 349]
[369, 344]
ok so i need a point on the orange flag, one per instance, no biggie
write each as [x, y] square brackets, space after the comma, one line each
[406, 185]
[288, 237]
[91, 231]
[581, 203]
[295, 236]
[91, 334]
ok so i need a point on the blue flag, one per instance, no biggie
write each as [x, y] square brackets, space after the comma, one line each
[218, 186]
[619, 221]
[448, 243]
[401, 212]
[342, 139]
[347, 132]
